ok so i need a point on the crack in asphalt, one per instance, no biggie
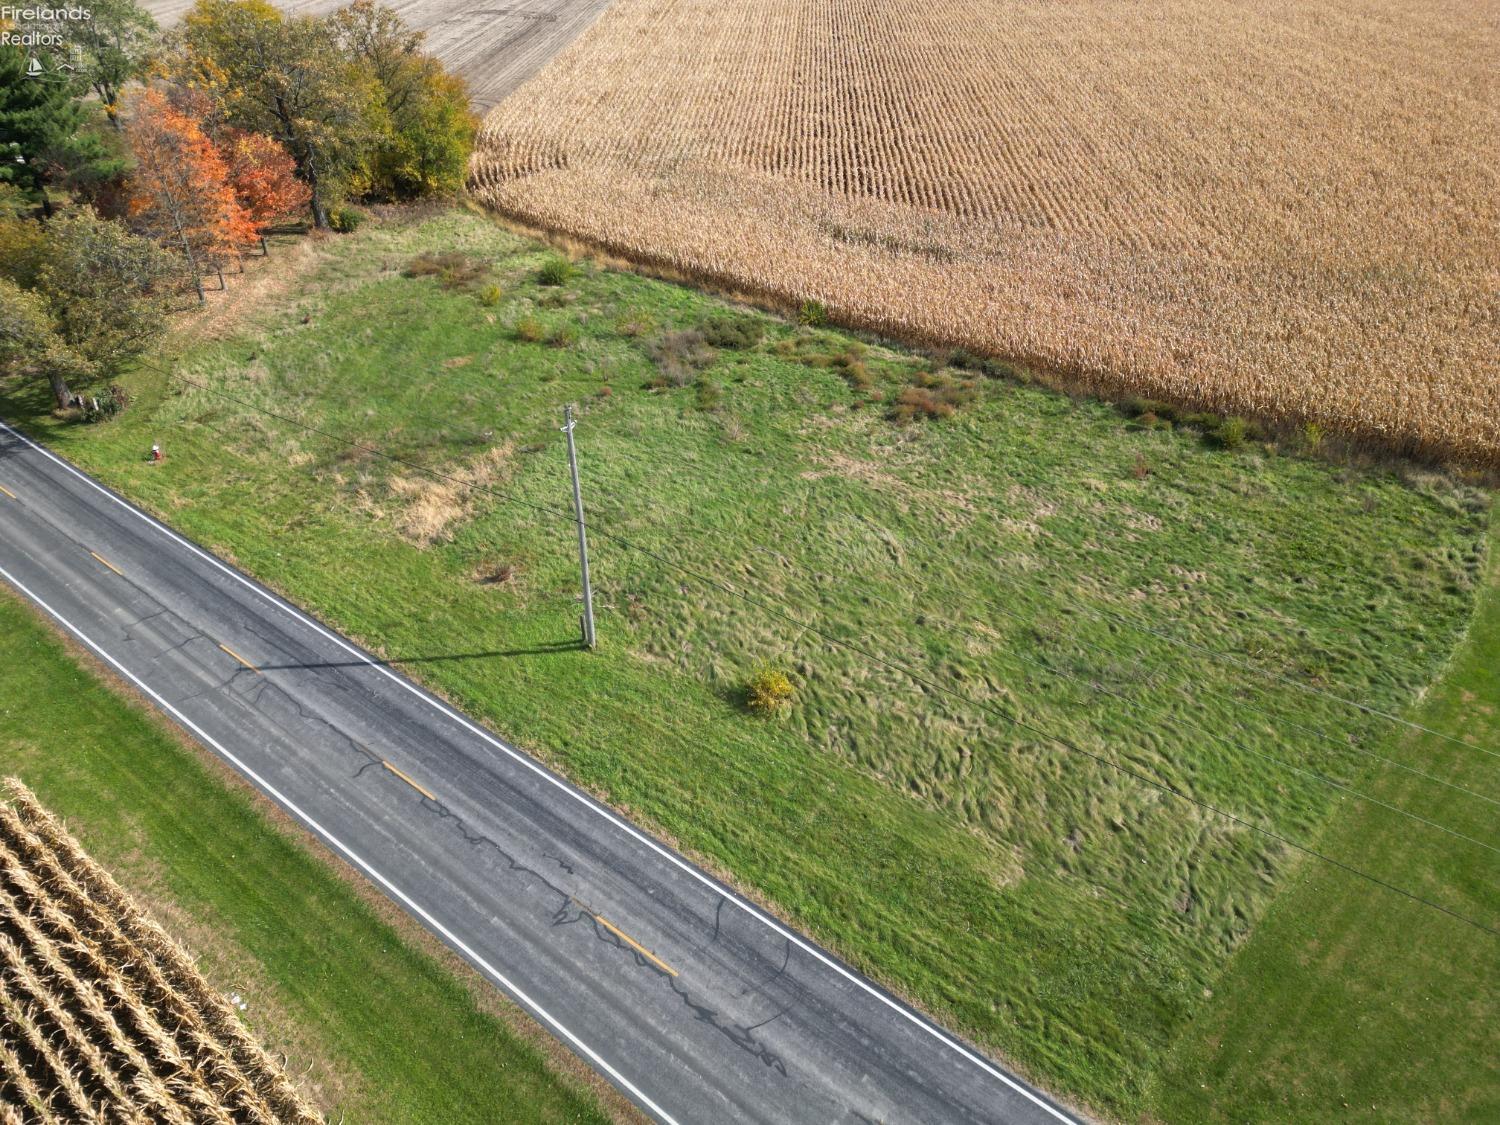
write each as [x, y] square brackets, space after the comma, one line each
[570, 912]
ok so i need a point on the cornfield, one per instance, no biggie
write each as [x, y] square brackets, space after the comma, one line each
[105, 1017]
[1275, 208]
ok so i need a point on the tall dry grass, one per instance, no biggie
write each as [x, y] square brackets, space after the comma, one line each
[1276, 208]
[106, 1018]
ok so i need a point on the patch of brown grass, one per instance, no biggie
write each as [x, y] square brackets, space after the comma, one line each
[428, 508]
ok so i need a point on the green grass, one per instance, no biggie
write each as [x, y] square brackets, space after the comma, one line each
[369, 1023]
[1346, 1004]
[1067, 917]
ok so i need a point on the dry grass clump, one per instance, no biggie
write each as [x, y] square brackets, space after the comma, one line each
[429, 507]
[453, 269]
[1280, 210]
[105, 1017]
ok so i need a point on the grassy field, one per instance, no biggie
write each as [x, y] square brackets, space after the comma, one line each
[1339, 1006]
[367, 1022]
[1029, 555]
[1236, 207]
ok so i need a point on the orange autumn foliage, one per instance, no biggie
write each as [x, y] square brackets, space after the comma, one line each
[180, 192]
[263, 177]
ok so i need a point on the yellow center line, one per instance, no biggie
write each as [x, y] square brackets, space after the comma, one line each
[241, 659]
[7, 491]
[107, 563]
[628, 940]
[425, 792]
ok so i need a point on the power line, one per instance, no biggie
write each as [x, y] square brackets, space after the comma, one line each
[873, 657]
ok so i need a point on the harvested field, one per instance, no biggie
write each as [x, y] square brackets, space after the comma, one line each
[495, 47]
[106, 1018]
[1277, 209]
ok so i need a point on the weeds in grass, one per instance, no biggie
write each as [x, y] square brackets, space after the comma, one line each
[933, 394]
[453, 269]
[710, 394]
[555, 271]
[529, 330]
[741, 333]
[769, 691]
[679, 357]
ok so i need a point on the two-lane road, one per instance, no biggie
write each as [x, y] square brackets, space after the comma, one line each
[694, 1003]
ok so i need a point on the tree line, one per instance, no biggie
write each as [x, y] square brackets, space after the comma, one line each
[165, 156]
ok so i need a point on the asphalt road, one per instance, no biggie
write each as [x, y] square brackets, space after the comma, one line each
[693, 1002]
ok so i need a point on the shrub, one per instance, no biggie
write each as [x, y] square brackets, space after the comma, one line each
[1232, 432]
[1208, 423]
[489, 296]
[1140, 407]
[563, 336]
[556, 270]
[710, 394]
[529, 329]
[769, 691]
[679, 356]
[812, 314]
[739, 332]
[345, 220]
[104, 407]
[1312, 437]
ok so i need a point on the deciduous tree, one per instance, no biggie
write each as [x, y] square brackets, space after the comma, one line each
[106, 292]
[289, 79]
[29, 344]
[110, 48]
[263, 177]
[180, 193]
[426, 128]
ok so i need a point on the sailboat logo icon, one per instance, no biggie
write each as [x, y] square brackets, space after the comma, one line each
[34, 67]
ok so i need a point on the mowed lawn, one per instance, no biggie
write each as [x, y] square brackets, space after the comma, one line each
[997, 622]
[372, 1027]
[1345, 1005]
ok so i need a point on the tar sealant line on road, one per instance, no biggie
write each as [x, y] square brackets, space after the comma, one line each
[354, 857]
[901, 1009]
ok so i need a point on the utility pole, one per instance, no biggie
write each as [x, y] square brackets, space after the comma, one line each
[583, 540]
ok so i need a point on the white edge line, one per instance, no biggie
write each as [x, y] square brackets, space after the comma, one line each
[391, 888]
[754, 912]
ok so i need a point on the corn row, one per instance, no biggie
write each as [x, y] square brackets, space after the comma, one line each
[19, 973]
[1282, 210]
[106, 1018]
[170, 967]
